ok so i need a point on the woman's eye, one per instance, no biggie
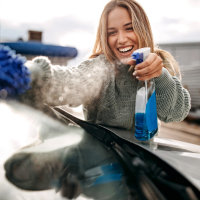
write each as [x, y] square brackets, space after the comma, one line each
[130, 29]
[112, 33]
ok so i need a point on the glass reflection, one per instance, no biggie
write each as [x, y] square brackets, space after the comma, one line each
[83, 167]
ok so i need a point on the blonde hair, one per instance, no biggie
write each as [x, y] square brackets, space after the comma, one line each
[142, 29]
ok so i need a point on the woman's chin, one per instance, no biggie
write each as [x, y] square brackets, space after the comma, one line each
[124, 57]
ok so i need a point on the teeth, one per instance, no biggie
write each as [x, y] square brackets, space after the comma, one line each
[125, 49]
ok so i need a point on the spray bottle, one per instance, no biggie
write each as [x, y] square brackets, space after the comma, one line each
[146, 124]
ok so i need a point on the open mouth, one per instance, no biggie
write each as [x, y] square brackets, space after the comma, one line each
[125, 50]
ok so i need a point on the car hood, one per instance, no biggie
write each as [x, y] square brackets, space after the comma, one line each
[184, 157]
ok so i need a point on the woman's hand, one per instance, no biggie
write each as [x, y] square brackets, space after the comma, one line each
[150, 68]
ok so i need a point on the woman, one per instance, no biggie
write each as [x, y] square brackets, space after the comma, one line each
[105, 83]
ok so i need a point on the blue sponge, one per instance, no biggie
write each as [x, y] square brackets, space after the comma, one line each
[14, 76]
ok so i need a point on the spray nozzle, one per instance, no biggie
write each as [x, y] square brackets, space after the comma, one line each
[141, 54]
[136, 55]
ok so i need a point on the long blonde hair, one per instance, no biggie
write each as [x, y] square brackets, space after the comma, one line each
[142, 29]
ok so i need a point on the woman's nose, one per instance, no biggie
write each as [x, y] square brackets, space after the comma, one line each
[122, 38]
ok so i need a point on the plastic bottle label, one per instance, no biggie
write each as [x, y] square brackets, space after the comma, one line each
[151, 113]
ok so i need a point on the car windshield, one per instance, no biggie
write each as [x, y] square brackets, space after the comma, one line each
[70, 53]
[55, 161]
[59, 158]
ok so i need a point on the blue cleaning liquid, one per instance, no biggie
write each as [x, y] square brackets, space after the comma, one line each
[141, 131]
[146, 125]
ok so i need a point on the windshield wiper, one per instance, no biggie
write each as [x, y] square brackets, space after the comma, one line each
[145, 172]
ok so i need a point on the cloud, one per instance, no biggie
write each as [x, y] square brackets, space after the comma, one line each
[52, 29]
[66, 31]
[194, 2]
[176, 30]
[70, 30]
[167, 21]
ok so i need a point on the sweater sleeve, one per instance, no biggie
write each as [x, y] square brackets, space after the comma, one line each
[173, 101]
[56, 85]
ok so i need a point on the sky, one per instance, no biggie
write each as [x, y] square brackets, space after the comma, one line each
[73, 22]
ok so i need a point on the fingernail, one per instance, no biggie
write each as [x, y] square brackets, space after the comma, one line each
[136, 68]
[137, 77]
[134, 73]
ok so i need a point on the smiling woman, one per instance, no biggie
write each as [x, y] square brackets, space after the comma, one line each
[132, 17]
[121, 36]
[106, 87]
[104, 84]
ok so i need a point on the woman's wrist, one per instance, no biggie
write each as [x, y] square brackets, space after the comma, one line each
[39, 68]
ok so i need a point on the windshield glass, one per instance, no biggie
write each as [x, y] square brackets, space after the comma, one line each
[71, 55]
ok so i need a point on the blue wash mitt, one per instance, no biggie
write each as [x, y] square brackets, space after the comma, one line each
[14, 76]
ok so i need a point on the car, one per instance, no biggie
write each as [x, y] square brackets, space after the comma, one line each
[81, 160]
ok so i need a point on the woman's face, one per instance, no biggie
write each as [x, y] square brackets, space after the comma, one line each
[121, 36]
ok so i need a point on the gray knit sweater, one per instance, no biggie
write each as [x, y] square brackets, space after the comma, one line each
[106, 91]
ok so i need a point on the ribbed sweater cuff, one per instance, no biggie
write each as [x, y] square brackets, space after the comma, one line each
[163, 78]
[41, 68]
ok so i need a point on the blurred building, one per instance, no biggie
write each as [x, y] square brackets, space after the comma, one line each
[35, 36]
[34, 47]
[188, 57]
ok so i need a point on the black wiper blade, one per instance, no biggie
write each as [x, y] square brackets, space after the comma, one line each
[178, 191]
[149, 177]
[140, 181]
